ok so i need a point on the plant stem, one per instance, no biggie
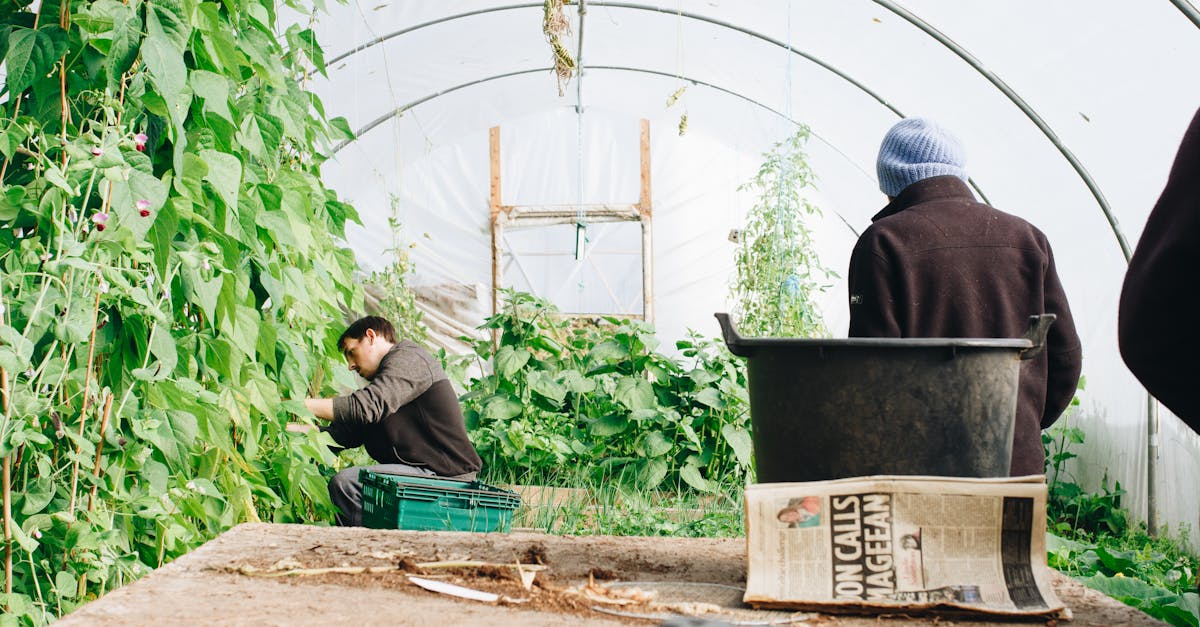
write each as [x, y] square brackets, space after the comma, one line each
[87, 384]
[7, 487]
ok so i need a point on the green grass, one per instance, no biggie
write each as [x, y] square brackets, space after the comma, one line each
[579, 505]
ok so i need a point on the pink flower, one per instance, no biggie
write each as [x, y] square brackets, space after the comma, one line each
[139, 141]
[96, 152]
[100, 219]
[143, 207]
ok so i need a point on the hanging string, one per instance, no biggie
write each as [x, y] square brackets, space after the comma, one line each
[784, 228]
[681, 87]
[581, 238]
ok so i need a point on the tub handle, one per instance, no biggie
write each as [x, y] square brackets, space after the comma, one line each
[732, 339]
[1038, 327]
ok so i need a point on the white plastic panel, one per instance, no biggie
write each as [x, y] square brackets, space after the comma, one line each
[1111, 79]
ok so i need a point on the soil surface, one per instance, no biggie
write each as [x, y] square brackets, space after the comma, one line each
[266, 574]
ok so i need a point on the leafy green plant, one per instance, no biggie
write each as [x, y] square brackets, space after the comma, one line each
[396, 301]
[1092, 540]
[603, 397]
[170, 273]
[778, 272]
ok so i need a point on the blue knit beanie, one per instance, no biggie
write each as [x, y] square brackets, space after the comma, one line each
[916, 149]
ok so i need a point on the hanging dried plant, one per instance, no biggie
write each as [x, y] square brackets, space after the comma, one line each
[683, 122]
[676, 95]
[555, 25]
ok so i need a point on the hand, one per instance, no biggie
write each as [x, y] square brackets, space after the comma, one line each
[299, 427]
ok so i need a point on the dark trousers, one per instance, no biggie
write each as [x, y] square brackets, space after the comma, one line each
[345, 490]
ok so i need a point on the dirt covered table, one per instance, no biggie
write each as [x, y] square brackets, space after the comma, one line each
[266, 574]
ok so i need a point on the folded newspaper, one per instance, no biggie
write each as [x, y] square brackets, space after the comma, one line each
[912, 544]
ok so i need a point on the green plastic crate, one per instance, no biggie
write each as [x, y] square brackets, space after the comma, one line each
[434, 504]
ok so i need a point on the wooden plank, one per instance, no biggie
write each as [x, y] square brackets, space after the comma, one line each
[645, 206]
[494, 153]
[647, 269]
[494, 149]
[644, 203]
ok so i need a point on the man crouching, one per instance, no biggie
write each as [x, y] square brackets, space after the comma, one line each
[407, 416]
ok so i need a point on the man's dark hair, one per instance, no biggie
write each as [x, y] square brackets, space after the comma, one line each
[380, 326]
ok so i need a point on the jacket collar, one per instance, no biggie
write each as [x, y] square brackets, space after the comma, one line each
[926, 190]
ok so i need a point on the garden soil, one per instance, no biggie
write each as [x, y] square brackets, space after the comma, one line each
[264, 574]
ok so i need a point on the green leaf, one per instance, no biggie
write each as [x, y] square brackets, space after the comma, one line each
[15, 350]
[609, 425]
[340, 125]
[690, 474]
[635, 393]
[28, 544]
[501, 408]
[263, 58]
[167, 70]
[56, 177]
[30, 57]
[75, 327]
[710, 397]
[653, 473]
[608, 351]
[224, 174]
[126, 40]
[213, 89]
[510, 360]
[162, 346]
[64, 584]
[739, 441]
[656, 444]
[544, 384]
[312, 49]
[38, 495]
[155, 475]
[165, 19]
[576, 382]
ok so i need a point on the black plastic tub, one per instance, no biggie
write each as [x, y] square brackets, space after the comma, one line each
[835, 408]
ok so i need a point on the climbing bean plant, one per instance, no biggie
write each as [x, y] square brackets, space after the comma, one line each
[170, 273]
[778, 272]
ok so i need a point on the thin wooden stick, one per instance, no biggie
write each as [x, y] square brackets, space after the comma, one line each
[108, 401]
[302, 572]
[87, 384]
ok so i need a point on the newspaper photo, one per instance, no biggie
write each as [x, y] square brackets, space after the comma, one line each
[888, 543]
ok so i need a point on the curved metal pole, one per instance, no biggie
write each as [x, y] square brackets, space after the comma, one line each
[1188, 10]
[400, 110]
[632, 6]
[1025, 108]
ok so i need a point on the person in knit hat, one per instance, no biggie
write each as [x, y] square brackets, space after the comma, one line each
[935, 262]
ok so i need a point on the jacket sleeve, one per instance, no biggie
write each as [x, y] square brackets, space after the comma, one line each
[1158, 327]
[400, 380]
[872, 306]
[1064, 353]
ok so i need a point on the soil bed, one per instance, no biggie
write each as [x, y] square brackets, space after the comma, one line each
[278, 574]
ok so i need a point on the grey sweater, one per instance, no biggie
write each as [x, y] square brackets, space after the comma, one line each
[407, 414]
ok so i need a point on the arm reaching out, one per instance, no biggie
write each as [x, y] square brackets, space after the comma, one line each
[322, 408]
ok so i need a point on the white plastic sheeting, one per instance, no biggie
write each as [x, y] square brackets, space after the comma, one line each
[1111, 81]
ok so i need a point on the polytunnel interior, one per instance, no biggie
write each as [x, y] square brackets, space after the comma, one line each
[1070, 113]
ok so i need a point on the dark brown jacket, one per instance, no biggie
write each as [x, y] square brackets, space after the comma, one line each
[1159, 327]
[936, 263]
[407, 414]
